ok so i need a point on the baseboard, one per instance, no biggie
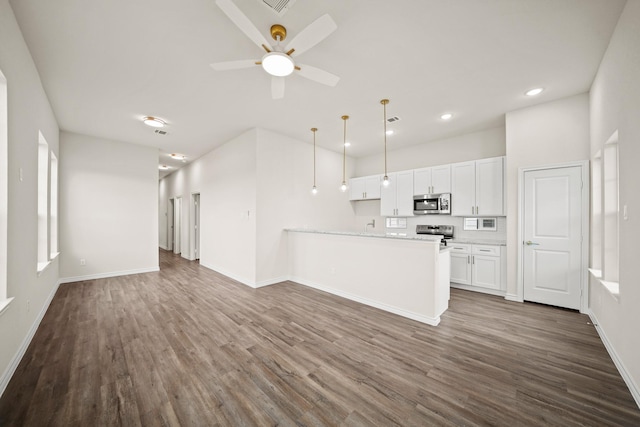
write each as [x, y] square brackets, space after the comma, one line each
[164, 247]
[107, 275]
[633, 387]
[477, 289]
[433, 321]
[243, 280]
[13, 365]
[513, 297]
[270, 282]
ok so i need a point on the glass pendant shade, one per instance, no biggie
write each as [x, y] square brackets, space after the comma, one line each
[277, 64]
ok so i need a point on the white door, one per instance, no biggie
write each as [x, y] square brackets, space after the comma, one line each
[552, 240]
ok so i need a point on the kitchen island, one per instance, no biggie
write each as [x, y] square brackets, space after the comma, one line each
[405, 275]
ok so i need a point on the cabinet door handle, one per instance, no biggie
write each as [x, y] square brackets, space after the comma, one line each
[484, 250]
[468, 259]
[477, 210]
[473, 259]
[472, 210]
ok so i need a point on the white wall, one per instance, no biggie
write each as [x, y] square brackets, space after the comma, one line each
[471, 146]
[108, 207]
[615, 105]
[28, 112]
[284, 199]
[269, 176]
[554, 132]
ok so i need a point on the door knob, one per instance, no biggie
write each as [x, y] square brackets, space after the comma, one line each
[530, 243]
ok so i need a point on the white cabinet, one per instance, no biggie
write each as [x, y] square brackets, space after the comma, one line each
[477, 187]
[396, 199]
[479, 266]
[365, 188]
[433, 180]
[461, 264]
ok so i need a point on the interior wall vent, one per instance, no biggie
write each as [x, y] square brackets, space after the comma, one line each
[160, 132]
[393, 119]
[280, 7]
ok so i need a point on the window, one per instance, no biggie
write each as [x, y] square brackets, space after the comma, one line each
[4, 178]
[43, 203]
[605, 215]
[53, 208]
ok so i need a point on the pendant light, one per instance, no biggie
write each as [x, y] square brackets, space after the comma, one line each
[385, 180]
[314, 190]
[343, 187]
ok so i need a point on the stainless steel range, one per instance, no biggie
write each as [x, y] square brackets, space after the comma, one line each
[445, 232]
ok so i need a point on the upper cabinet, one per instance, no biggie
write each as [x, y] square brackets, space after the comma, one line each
[396, 199]
[365, 188]
[433, 180]
[477, 187]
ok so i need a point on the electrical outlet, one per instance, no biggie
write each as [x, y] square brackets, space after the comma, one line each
[83, 261]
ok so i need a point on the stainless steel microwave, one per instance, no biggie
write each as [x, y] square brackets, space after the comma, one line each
[429, 204]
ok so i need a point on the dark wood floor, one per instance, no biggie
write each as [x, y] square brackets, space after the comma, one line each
[187, 346]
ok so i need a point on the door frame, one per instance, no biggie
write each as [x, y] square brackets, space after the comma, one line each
[584, 246]
[192, 222]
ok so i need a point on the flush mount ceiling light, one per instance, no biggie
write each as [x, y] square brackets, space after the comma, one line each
[446, 116]
[314, 190]
[153, 122]
[343, 187]
[534, 92]
[384, 102]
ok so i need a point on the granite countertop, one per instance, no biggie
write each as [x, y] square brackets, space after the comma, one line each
[479, 242]
[368, 234]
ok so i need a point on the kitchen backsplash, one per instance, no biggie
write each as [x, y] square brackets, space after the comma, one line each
[458, 233]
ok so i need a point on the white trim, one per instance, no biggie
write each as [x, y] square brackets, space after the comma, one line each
[13, 365]
[584, 258]
[270, 282]
[628, 379]
[163, 247]
[107, 275]
[4, 304]
[243, 280]
[385, 307]
[513, 297]
[497, 292]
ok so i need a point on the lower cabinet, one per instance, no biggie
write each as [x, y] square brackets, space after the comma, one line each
[479, 267]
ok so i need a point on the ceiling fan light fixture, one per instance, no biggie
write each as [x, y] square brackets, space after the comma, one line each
[278, 64]
[153, 122]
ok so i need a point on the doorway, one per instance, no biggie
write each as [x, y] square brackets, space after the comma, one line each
[195, 229]
[170, 210]
[554, 235]
[177, 220]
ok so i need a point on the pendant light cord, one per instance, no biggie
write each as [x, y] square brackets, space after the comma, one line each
[344, 150]
[384, 103]
[314, 156]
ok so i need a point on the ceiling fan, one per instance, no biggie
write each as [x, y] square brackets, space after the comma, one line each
[279, 61]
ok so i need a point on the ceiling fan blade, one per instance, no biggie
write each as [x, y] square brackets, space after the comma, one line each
[242, 22]
[277, 87]
[313, 34]
[234, 65]
[318, 75]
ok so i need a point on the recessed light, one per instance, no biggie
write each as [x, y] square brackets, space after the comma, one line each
[446, 116]
[153, 122]
[347, 144]
[163, 167]
[179, 157]
[390, 132]
[534, 92]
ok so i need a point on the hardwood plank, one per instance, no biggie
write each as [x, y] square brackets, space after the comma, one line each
[189, 346]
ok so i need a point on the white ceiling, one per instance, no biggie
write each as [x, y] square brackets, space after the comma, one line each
[106, 64]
